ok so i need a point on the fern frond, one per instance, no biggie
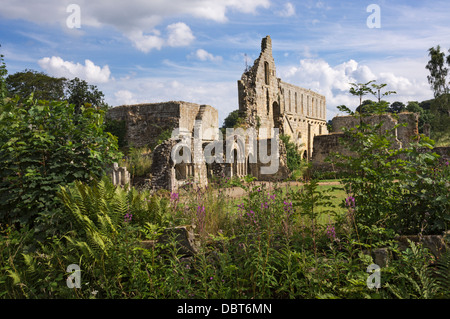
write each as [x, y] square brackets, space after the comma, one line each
[442, 275]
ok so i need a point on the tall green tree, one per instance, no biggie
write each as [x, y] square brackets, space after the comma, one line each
[360, 90]
[397, 107]
[440, 106]
[3, 73]
[231, 120]
[44, 87]
[438, 72]
[41, 85]
[80, 93]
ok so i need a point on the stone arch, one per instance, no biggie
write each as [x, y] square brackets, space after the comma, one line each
[266, 73]
[276, 110]
[249, 168]
[238, 163]
[305, 155]
[235, 164]
[295, 100]
[182, 166]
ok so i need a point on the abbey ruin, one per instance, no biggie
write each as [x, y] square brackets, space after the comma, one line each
[266, 101]
[268, 106]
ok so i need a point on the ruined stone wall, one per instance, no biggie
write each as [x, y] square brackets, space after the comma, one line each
[282, 172]
[327, 144]
[324, 145]
[408, 133]
[162, 172]
[258, 90]
[267, 102]
[145, 122]
[302, 102]
[404, 134]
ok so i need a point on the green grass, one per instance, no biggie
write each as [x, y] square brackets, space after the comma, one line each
[230, 204]
[443, 141]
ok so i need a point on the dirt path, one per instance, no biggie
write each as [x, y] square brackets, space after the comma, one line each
[236, 192]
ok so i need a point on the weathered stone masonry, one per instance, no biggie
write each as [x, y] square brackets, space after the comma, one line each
[145, 122]
[267, 102]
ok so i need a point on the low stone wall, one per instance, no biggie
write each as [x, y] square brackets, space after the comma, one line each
[324, 146]
[404, 134]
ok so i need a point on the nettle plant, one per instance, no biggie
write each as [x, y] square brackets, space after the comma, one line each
[402, 189]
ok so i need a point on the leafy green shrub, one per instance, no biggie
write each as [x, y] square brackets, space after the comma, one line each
[138, 161]
[294, 159]
[44, 145]
[397, 188]
[117, 128]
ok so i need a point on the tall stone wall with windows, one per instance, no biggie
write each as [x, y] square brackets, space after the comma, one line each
[267, 102]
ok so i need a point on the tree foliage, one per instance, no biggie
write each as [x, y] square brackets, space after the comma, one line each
[44, 145]
[294, 158]
[45, 87]
[440, 106]
[3, 73]
[80, 93]
[438, 72]
[232, 120]
[402, 189]
[41, 85]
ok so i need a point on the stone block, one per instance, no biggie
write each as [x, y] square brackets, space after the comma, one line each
[182, 236]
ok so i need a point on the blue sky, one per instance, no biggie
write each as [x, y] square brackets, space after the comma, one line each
[194, 50]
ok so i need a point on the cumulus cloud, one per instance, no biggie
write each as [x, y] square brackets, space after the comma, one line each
[124, 97]
[288, 10]
[56, 66]
[179, 35]
[204, 55]
[145, 42]
[137, 20]
[334, 82]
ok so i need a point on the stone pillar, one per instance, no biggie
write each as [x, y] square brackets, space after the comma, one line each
[120, 175]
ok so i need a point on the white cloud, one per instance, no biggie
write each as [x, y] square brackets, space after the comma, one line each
[179, 35]
[288, 10]
[334, 81]
[126, 14]
[56, 66]
[124, 97]
[204, 55]
[136, 19]
[145, 42]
